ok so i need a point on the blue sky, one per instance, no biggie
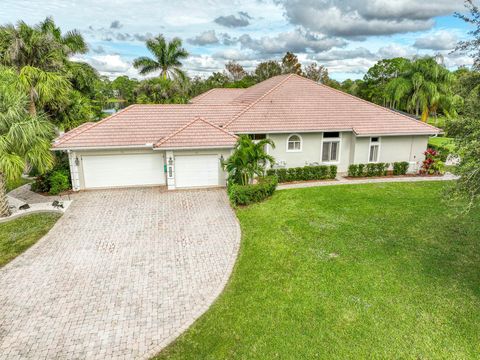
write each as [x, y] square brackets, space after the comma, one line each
[346, 36]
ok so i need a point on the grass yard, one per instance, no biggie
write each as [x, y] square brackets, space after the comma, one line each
[442, 142]
[18, 235]
[377, 271]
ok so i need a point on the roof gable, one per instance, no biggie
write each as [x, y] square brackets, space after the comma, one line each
[196, 134]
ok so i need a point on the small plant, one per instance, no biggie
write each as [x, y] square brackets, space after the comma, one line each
[432, 165]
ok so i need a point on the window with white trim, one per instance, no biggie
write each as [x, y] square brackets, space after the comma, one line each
[294, 143]
[374, 149]
[331, 147]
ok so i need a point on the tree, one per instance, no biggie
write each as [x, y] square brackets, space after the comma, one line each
[248, 160]
[472, 47]
[168, 56]
[266, 70]
[24, 139]
[317, 73]
[235, 70]
[424, 87]
[39, 54]
[125, 88]
[290, 64]
[466, 132]
[160, 91]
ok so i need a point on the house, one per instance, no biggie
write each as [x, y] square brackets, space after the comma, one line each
[181, 146]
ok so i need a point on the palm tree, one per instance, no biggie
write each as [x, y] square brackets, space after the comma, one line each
[424, 87]
[167, 58]
[248, 160]
[24, 139]
[39, 54]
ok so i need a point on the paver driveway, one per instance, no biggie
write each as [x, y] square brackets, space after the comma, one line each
[120, 275]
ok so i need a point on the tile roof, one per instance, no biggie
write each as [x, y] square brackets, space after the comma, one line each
[284, 103]
[217, 96]
[198, 133]
[299, 104]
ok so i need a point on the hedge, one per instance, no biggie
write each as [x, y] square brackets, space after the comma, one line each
[320, 172]
[400, 168]
[368, 170]
[249, 194]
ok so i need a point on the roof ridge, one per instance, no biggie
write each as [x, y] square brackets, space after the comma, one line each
[190, 123]
[65, 138]
[243, 111]
[366, 101]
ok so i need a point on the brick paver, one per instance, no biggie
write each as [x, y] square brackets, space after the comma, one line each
[120, 275]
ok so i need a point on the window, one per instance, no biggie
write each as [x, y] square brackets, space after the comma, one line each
[294, 143]
[374, 149]
[330, 151]
[335, 134]
[258, 136]
[331, 146]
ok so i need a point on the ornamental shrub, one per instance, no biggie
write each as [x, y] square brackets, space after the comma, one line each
[400, 168]
[371, 169]
[432, 165]
[320, 172]
[59, 181]
[252, 193]
[353, 170]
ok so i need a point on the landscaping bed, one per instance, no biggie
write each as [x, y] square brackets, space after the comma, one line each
[347, 272]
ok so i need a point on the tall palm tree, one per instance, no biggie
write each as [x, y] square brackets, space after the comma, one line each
[424, 87]
[39, 54]
[24, 139]
[248, 160]
[167, 58]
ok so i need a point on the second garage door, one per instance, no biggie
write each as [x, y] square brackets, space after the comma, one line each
[195, 171]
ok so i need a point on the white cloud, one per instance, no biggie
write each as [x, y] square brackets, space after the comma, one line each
[440, 40]
[205, 38]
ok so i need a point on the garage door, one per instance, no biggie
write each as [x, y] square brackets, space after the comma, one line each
[193, 171]
[123, 170]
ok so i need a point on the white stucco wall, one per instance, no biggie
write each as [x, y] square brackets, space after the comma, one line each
[311, 150]
[393, 149]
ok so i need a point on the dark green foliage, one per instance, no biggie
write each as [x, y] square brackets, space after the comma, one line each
[305, 173]
[368, 170]
[59, 181]
[56, 180]
[253, 193]
[400, 168]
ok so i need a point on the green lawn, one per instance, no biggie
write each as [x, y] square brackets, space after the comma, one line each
[378, 271]
[442, 141]
[17, 183]
[18, 235]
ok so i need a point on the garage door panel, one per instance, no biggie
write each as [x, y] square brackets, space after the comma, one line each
[196, 171]
[123, 170]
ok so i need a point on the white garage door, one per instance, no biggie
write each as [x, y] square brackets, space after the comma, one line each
[123, 170]
[199, 170]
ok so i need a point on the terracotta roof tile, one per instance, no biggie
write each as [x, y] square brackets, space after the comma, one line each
[197, 134]
[284, 103]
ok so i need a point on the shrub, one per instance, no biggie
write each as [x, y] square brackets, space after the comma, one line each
[371, 169]
[400, 168]
[249, 194]
[320, 172]
[432, 164]
[59, 181]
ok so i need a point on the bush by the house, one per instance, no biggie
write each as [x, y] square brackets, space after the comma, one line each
[320, 172]
[400, 168]
[55, 181]
[368, 170]
[252, 193]
[432, 165]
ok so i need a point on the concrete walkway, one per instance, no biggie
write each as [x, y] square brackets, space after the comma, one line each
[344, 181]
[120, 275]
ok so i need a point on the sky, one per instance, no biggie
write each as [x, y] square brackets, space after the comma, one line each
[346, 36]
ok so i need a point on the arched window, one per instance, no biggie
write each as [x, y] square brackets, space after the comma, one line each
[294, 143]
